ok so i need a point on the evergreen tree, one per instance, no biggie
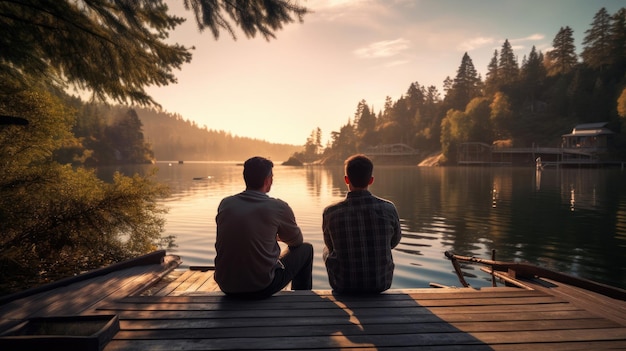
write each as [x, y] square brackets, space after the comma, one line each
[364, 119]
[126, 139]
[597, 42]
[427, 130]
[73, 40]
[466, 85]
[343, 142]
[415, 96]
[532, 77]
[318, 139]
[404, 120]
[414, 100]
[618, 42]
[387, 126]
[447, 85]
[562, 58]
[492, 77]
[311, 147]
[508, 69]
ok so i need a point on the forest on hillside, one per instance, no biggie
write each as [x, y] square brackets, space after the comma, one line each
[118, 134]
[174, 138]
[532, 102]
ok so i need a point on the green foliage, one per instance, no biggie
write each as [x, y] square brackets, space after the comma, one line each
[262, 16]
[125, 137]
[48, 128]
[508, 69]
[343, 143]
[597, 42]
[501, 116]
[465, 87]
[454, 129]
[617, 35]
[473, 124]
[562, 58]
[56, 220]
[105, 135]
[492, 82]
[71, 42]
[480, 128]
[532, 79]
[621, 104]
[312, 149]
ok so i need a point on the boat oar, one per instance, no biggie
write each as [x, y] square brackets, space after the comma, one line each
[521, 270]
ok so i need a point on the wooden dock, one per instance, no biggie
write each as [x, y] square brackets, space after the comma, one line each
[160, 308]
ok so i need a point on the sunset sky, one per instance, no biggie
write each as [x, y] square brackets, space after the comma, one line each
[315, 73]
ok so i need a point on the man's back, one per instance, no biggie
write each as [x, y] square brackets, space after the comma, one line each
[246, 246]
[359, 234]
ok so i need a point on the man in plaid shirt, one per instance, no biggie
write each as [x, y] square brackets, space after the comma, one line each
[359, 234]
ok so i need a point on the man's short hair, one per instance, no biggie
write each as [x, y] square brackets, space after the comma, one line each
[359, 170]
[255, 170]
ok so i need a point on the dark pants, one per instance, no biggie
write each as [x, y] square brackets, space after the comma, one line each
[298, 269]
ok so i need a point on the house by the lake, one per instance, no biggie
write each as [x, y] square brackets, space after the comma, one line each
[587, 144]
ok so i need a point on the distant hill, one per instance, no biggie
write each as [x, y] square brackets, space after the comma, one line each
[174, 138]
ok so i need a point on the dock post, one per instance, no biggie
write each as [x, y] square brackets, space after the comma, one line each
[493, 276]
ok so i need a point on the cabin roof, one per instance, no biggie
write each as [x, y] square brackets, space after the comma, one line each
[590, 129]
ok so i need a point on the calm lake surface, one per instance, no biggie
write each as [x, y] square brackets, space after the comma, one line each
[570, 220]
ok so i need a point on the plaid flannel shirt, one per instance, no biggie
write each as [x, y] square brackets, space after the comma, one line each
[359, 234]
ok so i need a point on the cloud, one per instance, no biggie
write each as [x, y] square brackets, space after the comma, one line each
[353, 13]
[385, 48]
[335, 3]
[475, 43]
[518, 44]
[532, 37]
[397, 63]
[482, 42]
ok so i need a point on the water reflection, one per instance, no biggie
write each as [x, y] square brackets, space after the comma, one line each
[572, 220]
[538, 179]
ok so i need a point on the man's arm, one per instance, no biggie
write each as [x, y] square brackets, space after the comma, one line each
[397, 235]
[326, 232]
[288, 231]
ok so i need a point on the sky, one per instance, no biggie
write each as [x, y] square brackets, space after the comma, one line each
[314, 73]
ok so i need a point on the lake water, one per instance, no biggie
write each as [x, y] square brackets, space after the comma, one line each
[570, 220]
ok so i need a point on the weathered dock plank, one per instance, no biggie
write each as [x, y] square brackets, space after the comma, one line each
[608, 308]
[186, 312]
[441, 319]
[173, 285]
[82, 296]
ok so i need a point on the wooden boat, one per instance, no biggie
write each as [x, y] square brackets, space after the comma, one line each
[513, 273]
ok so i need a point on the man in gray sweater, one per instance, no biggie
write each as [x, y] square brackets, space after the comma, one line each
[249, 262]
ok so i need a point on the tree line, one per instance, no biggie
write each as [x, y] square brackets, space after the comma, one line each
[118, 134]
[532, 102]
[172, 137]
